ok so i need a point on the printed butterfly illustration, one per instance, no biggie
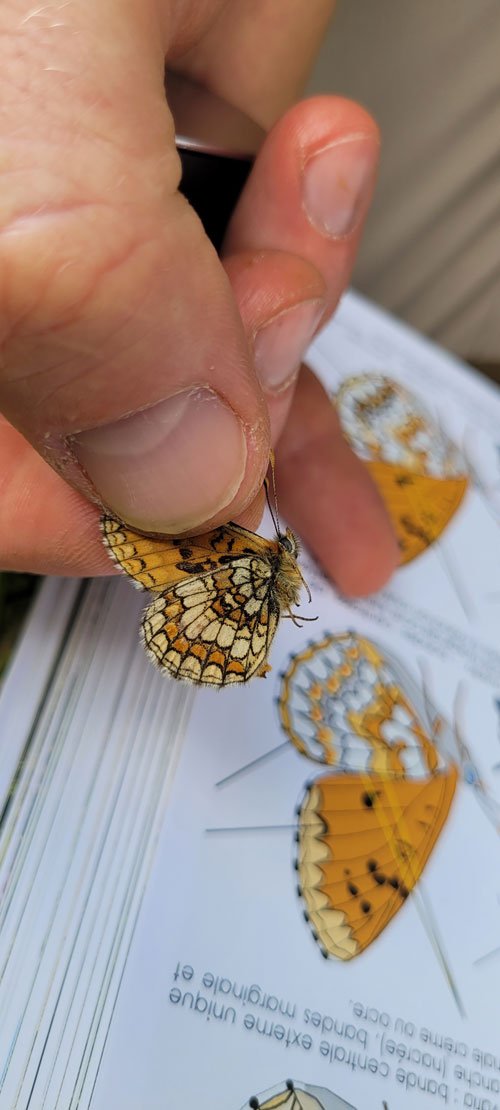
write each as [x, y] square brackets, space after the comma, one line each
[218, 597]
[421, 475]
[294, 1096]
[367, 828]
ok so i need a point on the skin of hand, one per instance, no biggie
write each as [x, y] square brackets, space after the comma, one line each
[138, 370]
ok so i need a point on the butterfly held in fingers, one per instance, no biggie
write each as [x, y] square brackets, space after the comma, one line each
[218, 600]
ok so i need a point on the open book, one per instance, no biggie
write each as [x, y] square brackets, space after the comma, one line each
[285, 894]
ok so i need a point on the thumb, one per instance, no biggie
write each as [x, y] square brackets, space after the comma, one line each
[124, 361]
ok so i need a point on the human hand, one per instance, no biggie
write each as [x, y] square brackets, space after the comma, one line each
[151, 376]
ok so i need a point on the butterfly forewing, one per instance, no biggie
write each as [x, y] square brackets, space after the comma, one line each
[363, 844]
[419, 506]
[158, 561]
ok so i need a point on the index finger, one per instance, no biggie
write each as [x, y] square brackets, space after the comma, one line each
[257, 54]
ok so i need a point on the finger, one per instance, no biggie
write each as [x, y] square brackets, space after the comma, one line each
[281, 299]
[229, 58]
[324, 490]
[45, 526]
[311, 188]
[328, 497]
[124, 360]
[307, 198]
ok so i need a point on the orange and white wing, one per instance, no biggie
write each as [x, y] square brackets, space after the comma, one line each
[363, 842]
[420, 473]
[215, 629]
[298, 1096]
[345, 702]
[157, 562]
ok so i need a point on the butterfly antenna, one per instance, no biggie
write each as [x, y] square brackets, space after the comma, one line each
[273, 508]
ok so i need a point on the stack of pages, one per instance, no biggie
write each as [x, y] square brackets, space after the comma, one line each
[285, 894]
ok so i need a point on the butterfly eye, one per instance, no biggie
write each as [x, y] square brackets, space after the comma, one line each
[287, 543]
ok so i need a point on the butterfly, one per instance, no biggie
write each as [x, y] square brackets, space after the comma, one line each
[367, 828]
[293, 1096]
[421, 475]
[218, 597]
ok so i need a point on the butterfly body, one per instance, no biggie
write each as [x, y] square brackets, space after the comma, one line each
[219, 597]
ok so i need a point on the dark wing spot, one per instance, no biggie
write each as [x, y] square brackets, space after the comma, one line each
[186, 552]
[368, 800]
[414, 530]
[366, 907]
[353, 889]
[196, 568]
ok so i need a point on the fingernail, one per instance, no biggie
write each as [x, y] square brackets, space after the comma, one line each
[280, 345]
[170, 467]
[338, 184]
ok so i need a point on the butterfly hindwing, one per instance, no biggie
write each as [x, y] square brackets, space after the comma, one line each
[363, 842]
[216, 629]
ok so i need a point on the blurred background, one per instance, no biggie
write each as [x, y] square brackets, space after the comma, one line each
[429, 71]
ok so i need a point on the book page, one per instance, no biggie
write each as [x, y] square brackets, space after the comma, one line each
[317, 923]
[337, 923]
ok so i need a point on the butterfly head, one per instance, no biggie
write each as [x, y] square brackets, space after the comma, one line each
[288, 542]
[289, 580]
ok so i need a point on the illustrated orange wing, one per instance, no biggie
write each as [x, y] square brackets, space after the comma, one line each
[157, 562]
[363, 842]
[419, 506]
[420, 473]
[297, 1096]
